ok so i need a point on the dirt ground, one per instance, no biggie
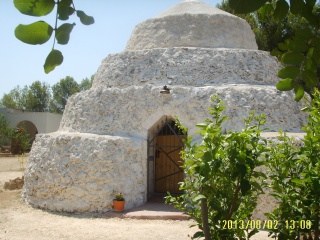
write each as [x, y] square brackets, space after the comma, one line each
[20, 221]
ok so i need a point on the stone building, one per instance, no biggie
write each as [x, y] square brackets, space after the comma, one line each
[120, 134]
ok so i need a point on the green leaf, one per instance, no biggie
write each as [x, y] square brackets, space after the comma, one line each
[265, 11]
[242, 169]
[289, 72]
[63, 33]
[245, 186]
[199, 197]
[276, 52]
[304, 34]
[307, 13]
[35, 8]
[298, 44]
[316, 42]
[257, 186]
[296, 6]
[85, 19]
[285, 85]
[281, 11]
[299, 91]
[198, 235]
[53, 60]
[310, 78]
[202, 125]
[294, 58]
[207, 156]
[65, 9]
[283, 46]
[314, 54]
[34, 33]
[246, 6]
[311, 2]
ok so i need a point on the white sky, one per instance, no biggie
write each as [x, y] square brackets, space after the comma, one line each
[22, 64]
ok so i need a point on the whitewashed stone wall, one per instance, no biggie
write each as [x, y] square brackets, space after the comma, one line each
[187, 66]
[133, 110]
[76, 172]
[192, 24]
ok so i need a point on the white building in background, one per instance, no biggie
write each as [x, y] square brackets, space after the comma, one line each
[33, 122]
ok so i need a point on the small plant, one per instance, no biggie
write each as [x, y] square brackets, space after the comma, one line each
[119, 196]
[19, 140]
[22, 161]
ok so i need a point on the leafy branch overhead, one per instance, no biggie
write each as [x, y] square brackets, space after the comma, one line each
[300, 55]
[40, 32]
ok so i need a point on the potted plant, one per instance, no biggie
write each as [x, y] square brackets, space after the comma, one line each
[118, 202]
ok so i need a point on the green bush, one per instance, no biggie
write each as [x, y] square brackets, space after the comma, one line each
[295, 180]
[222, 182]
[4, 132]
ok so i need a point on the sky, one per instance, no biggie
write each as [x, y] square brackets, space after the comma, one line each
[22, 64]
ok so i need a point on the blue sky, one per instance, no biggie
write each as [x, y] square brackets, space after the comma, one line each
[22, 64]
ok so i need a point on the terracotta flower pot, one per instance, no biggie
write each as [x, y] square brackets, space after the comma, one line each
[118, 205]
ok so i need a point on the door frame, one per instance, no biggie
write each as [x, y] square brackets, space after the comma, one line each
[153, 133]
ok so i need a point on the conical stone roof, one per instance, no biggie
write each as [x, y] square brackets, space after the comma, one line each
[192, 24]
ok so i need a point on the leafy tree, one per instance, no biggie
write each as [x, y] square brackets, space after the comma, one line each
[15, 99]
[40, 32]
[86, 83]
[38, 97]
[268, 30]
[61, 92]
[222, 181]
[300, 54]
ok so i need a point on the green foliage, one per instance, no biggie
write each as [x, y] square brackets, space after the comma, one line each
[15, 99]
[39, 97]
[85, 19]
[16, 137]
[63, 33]
[40, 32]
[4, 131]
[86, 83]
[300, 50]
[54, 59]
[245, 6]
[295, 179]
[268, 30]
[222, 181]
[34, 8]
[19, 140]
[61, 92]
[34, 33]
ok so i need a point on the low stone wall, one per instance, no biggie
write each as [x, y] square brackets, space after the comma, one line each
[76, 172]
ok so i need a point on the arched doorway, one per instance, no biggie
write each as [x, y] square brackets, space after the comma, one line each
[164, 160]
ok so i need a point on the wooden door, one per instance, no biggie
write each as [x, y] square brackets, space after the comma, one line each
[168, 171]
